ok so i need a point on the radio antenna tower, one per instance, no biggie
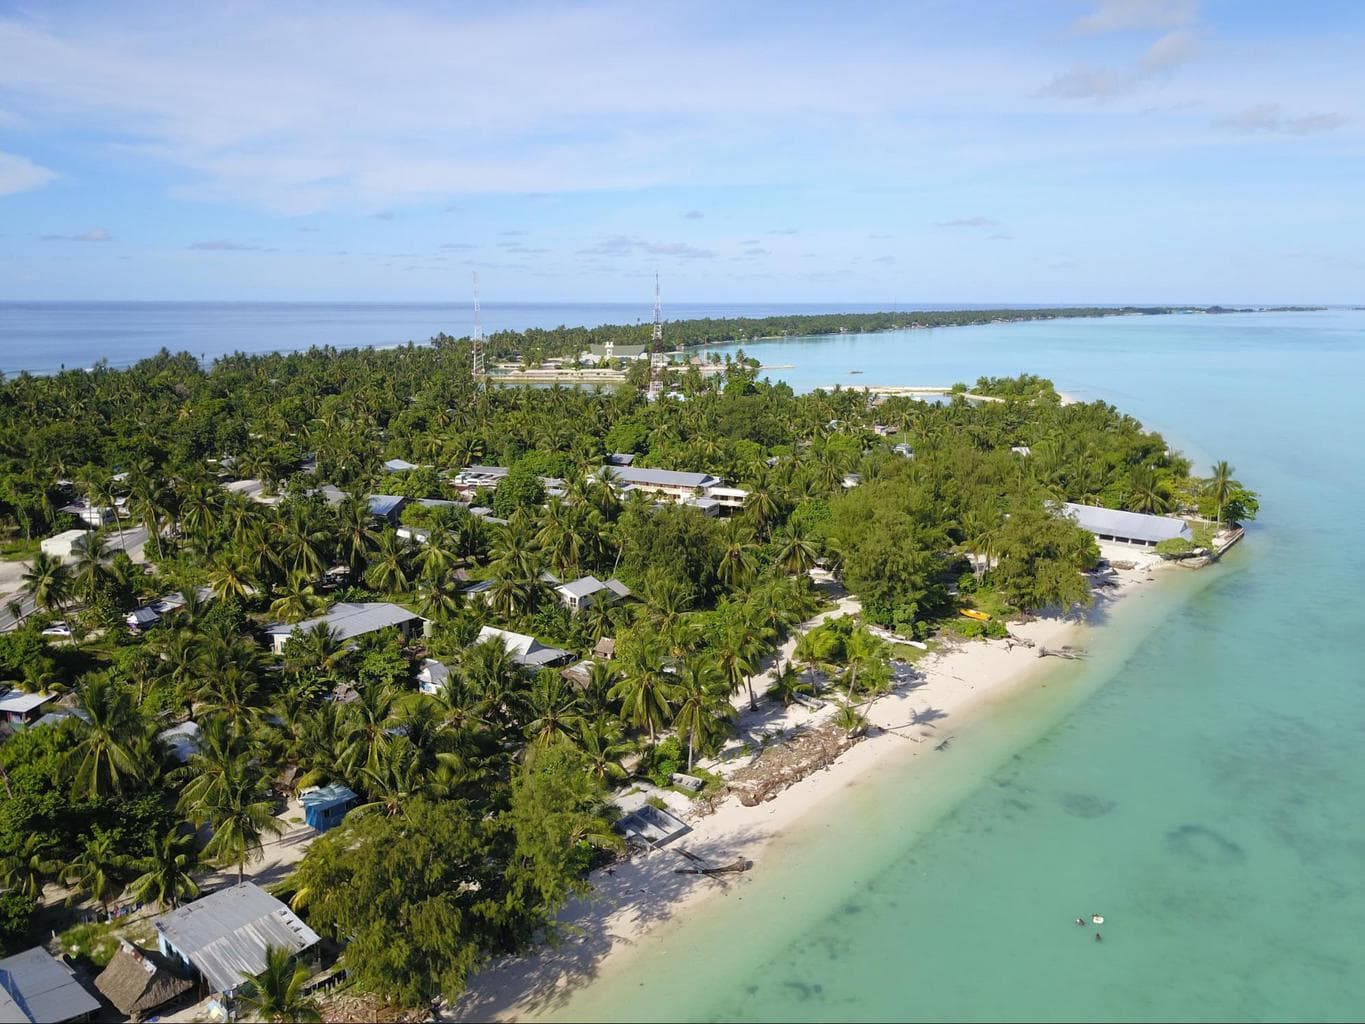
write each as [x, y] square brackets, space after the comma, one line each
[478, 332]
[657, 359]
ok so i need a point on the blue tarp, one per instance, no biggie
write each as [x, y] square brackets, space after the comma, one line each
[324, 808]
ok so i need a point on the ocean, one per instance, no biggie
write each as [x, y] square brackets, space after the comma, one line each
[43, 337]
[1198, 781]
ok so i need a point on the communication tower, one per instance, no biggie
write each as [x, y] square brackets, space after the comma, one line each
[478, 332]
[657, 359]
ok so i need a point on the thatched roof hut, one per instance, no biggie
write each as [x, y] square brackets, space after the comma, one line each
[137, 981]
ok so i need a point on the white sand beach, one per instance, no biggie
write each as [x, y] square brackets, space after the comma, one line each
[632, 903]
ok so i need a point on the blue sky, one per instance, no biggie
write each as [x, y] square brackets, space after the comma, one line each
[1092, 151]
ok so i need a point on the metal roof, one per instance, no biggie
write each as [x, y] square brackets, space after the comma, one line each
[583, 587]
[399, 465]
[41, 989]
[385, 505]
[16, 702]
[525, 650]
[328, 796]
[661, 477]
[351, 620]
[1129, 525]
[225, 934]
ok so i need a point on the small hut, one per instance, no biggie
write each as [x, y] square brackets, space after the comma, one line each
[137, 981]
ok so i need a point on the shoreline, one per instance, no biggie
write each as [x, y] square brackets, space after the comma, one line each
[628, 910]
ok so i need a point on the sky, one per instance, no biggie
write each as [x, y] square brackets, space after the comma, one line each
[1051, 151]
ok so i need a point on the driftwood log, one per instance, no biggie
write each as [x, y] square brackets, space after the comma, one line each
[736, 866]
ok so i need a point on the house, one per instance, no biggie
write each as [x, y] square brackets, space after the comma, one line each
[686, 488]
[223, 936]
[324, 808]
[399, 466]
[883, 429]
[137, 981]
[1021, 449]
[93, 516]
[59, 715]
[433, 677]
[471, 478]
[483, 589]
[605, 648]
[65, 545]
[613, 351]
[181, 741]
[621, 459]
[152, 612]
[1137, 528]
[253, 489]
[38, 988]
[387, 507]
[349, 621]
[526, 651]
[584, 593]
[903, 450]
[19, 710]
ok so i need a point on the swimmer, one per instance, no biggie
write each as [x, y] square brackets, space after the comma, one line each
[1080, 921]
[1099, 937]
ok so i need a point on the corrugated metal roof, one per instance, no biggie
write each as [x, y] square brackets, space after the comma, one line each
[385, 505]
[327, 796]
[16, 702]
[661, 477]
[351, 620]
[583, 587]
[1130, 525]
[225, 934]
[525, 650]
[42, 989]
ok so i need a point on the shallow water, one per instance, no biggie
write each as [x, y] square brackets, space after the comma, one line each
[1199, 782]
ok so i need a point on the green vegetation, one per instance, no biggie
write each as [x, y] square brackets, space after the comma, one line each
[482, 805]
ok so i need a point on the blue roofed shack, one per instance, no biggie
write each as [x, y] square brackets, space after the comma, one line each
[324, 808]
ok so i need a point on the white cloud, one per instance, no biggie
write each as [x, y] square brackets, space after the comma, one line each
[1269, 118]
[19, 174]
[93, 235]
[1123, 15]
[967, 222]
[221, 245]
[623, 245]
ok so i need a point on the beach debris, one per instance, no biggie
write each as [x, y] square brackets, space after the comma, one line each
[1097, 918]
[1068, 652]
[1080, 921]
[784, 764]
[735, 867]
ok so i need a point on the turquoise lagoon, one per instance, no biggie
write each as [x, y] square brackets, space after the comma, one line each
[1199, 781]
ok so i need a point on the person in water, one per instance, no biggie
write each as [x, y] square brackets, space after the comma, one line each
[1080, 921]
[1098, 937]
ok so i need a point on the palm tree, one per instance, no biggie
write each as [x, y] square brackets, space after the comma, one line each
[600, 741]
[736, 651]
[48, 581]
[736, 564]
[276, 994]
[796, 552]
[28, 868]
[95, 870]
[1147, 491]
[704, 710]
[165, 878]
[240, 816]
[1221, 485]
[91, 573]
[555, 706]
[388, 568]
[102, 760]
[646, 691]
[231, 576]
[788, 685]
[296, 600]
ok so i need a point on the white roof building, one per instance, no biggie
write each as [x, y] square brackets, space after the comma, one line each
[349, 621]
[527, 651]
[224, 935]
[1126, 527]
